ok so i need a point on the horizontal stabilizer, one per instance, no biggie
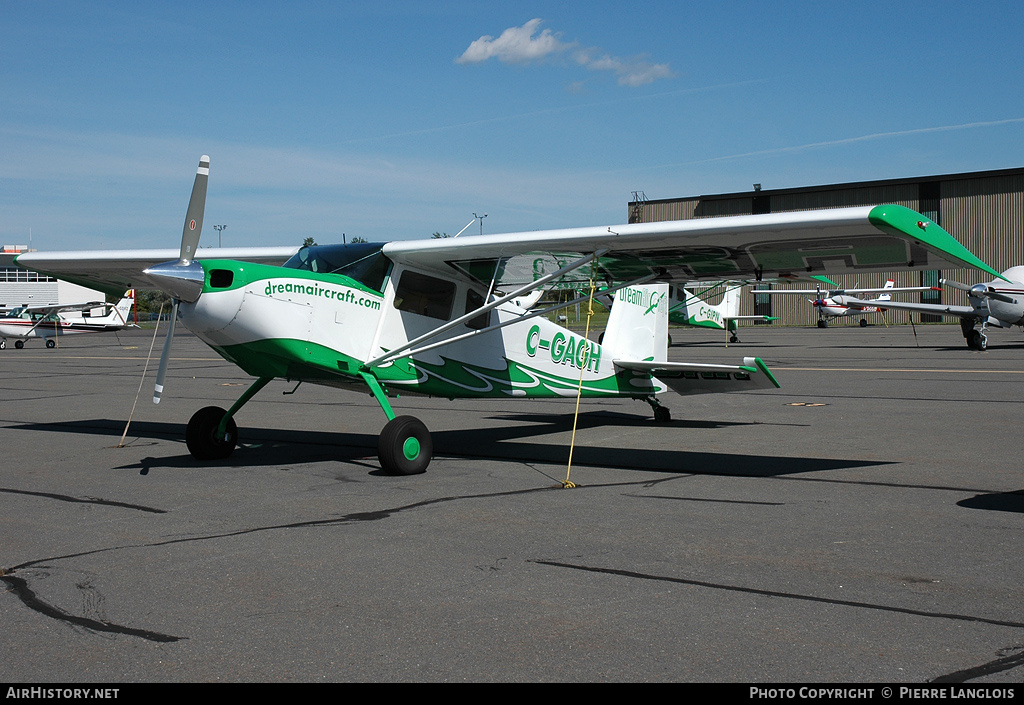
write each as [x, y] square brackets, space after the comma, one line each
[699, 378]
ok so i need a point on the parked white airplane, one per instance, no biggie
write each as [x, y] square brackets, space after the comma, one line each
[438, 317]
[834, 304]
[691, 308]
[52, 321]
[997, 303]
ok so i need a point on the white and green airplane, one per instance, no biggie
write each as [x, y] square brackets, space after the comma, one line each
[439, 317]
[690, 306]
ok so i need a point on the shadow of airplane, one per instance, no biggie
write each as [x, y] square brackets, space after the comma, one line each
[515, 440]
[996, 502]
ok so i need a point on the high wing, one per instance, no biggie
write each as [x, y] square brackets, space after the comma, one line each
[49, 309]
[830, 293]
[777, 245]
[762, 247]
[938, 309]
[114, 271]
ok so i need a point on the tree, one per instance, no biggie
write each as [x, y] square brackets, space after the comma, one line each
[308, 242]
[437, 236]
[358, 239]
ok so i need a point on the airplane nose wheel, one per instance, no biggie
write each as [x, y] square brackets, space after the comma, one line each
[200, 435]
[977, 340]
[404, 446]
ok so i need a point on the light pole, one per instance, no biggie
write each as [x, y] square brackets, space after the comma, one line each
[219, 228]
[481, 219]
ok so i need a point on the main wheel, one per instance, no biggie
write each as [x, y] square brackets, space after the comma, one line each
[200, 435]
[976, 340]
[404, 446]
[662, 414]
[19, 344]
[50, 343]
[863, 323]
[822, 323]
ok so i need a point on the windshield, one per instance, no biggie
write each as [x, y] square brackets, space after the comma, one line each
[362, 261]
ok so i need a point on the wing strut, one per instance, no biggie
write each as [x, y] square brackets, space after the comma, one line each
[397, 352]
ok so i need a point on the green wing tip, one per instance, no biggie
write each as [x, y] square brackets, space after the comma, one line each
[768, 373]
[902, 221]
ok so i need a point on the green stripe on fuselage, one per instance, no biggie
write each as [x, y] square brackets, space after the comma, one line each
[299, 360]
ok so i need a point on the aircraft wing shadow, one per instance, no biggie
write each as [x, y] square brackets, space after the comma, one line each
[265, 447]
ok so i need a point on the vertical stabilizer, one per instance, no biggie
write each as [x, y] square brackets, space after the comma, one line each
[886, 297]
[638, 324]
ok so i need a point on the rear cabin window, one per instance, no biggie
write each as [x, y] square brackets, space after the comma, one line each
[425, 295]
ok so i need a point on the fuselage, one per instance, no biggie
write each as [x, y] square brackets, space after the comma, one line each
[1004, 313]
[22, 323]
[299, 324]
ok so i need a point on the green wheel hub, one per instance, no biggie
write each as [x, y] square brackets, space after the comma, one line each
[411, 448]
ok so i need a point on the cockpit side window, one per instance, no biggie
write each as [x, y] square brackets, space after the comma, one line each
[364, 261]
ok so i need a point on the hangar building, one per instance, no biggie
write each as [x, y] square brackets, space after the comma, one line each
[984, 210]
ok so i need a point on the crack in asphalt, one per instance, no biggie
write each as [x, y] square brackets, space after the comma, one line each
[27, 596]
[997, 666]
[20, 588]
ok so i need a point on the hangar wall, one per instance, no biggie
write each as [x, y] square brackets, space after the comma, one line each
[983, 210]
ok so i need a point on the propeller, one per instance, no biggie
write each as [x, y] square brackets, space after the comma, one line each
[978, 291]
[183, 278]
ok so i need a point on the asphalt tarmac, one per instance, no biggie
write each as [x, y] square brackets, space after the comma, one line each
[862, 524]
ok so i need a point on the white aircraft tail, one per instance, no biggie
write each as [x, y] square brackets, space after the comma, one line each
[638, 324]
[121, 313]
[730, 304]
[888, 285]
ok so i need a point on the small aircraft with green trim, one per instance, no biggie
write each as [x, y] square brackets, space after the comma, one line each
[690, 306]
[440, 316]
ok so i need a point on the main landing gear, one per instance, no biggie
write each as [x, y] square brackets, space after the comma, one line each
[202, 437]
[404, 446]
[976, 339]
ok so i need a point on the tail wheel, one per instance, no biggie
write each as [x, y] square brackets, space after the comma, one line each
[201, 435]
[404, 446]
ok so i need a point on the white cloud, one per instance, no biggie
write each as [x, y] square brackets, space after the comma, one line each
[516, 45]
[521, 45]
[630, 72]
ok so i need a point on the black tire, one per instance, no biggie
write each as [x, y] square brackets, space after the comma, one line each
[51, 343]
[199, 435]
[19, 344]
[662, 414]
[976, 340]
[863, 323]
[404, 446]
[822, 323]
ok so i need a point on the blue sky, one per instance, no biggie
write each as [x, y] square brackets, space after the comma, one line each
[393, 120]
